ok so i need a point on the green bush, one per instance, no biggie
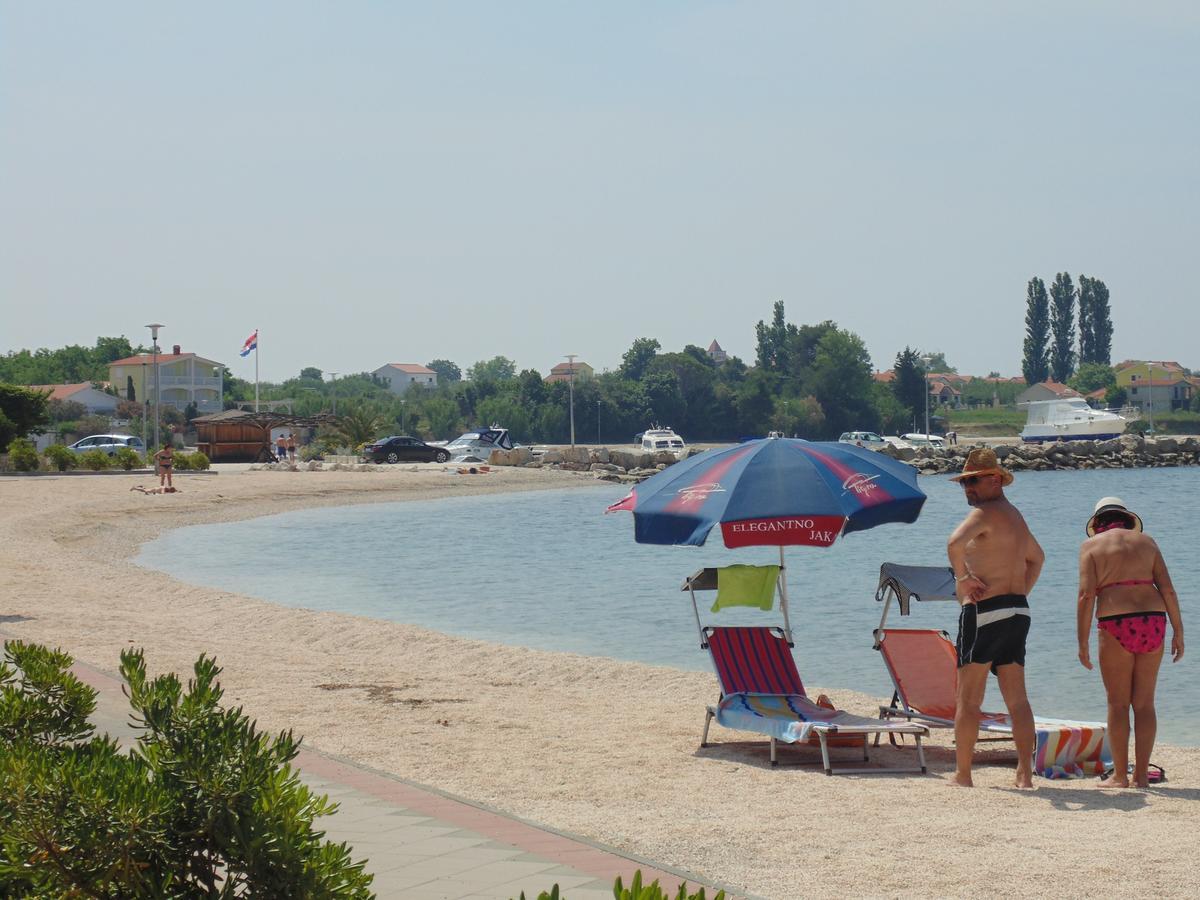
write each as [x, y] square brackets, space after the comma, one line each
[198, 462]
[22, 456]
[128, 458]
[183, 462]
[636, 891]
[203, 806]
[60, 457]
[95, 460]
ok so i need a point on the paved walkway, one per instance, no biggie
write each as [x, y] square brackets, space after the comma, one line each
[422, 844]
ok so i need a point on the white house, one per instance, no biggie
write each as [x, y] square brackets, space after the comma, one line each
[401, 376]
[183, 378]
[94, 401]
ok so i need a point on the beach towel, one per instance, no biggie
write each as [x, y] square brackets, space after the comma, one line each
[741, 585]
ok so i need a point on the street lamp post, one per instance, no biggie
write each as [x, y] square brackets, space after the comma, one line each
[926, 360]
[145, 404]
[157, 393]
[571, 389]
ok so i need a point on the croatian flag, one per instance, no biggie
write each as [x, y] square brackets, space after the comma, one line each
[251, 343]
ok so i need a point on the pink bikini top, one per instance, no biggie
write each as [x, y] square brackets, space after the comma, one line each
[1129, 583]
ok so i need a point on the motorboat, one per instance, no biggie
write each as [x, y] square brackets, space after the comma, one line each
[656, 438]
[477, 446]
[1070, 419]
[917, 439]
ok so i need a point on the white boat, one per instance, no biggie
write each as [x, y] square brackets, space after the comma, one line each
[1070, 419]
[477, 446]
[656, 439]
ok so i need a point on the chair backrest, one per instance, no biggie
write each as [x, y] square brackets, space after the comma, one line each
[753, 660]
[924, 667]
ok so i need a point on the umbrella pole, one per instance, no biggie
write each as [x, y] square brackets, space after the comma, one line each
[783, 597]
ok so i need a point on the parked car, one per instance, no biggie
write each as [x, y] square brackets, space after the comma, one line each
[868, 439]
[924, 440]
[402, 448]
[108, 443]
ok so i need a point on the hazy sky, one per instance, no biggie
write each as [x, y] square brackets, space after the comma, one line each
[390, 182]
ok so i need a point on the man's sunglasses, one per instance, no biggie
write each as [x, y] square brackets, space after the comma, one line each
[972, 480]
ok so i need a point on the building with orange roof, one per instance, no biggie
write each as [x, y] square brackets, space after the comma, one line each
[183, 379]
[399, 377]
[85, 393]
[564, 371]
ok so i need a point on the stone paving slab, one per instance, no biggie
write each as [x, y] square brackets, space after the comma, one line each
[422, 844]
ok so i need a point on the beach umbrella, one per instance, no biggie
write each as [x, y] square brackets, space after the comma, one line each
[773, 492]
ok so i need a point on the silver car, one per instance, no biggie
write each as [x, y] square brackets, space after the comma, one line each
[108, 443]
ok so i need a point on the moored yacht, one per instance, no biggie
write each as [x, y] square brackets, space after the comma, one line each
[656, 439]
[1070, 419]
[477, 446]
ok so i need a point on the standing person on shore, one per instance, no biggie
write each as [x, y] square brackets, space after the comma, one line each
[291, 449]
[281, 448]
[1122, 577]
[996, 562]
[165, 460]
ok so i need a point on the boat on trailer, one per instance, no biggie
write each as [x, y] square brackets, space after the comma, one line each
[1070, 419]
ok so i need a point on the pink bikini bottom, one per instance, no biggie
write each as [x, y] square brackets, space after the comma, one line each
[1137, 632]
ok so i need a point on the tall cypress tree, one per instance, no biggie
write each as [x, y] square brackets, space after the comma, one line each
[1102, 327]
[1087, 327]
[1062, 327]
[1036, 363]
[909, 384]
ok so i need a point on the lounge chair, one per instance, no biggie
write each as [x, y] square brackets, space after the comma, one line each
[923, 666]
[761, 691]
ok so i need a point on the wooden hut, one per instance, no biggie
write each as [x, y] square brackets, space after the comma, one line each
[236, 435]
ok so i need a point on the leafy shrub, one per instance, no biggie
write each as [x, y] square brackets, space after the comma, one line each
[309, 452]
[95, 460]
[183, 462]
[60, 457]
[637, 891]
[127, 458]
[203, 806]
[198, 462]
[22, 456]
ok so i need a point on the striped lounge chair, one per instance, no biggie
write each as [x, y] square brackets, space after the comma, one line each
[761, 691]
[923, 666]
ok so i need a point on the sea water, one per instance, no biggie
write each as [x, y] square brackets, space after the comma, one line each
[549, 570]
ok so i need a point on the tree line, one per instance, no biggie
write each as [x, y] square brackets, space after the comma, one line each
[1050, 350]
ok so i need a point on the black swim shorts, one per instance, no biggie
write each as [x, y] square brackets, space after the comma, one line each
[993, 631]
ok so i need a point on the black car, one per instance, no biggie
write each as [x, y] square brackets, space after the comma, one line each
[401, 448]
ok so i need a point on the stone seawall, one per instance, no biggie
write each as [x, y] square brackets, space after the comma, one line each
[1125, 452]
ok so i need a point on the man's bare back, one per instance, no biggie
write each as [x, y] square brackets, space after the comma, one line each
[998, 552]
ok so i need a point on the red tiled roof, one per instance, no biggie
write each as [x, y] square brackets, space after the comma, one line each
[886, 376]
[566, 368]
[412, 369]
[148, 358]
[61, 391]
[714, 347]
[1060, 389]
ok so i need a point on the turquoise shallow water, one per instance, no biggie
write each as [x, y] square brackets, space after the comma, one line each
[548, 570]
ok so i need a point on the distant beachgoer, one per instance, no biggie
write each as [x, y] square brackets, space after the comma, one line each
[291, 448]
[165, 459]
[280, 448]
[996, 562]
[1122, 577]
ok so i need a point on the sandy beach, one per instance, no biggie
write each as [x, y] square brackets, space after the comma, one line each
[604, 749]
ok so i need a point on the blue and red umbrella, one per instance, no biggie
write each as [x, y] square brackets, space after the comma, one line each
[773, 492]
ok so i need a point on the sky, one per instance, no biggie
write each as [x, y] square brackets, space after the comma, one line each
[371, 182]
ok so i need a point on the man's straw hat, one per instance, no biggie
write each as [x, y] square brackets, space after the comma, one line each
[982, 461]
[1112, 504]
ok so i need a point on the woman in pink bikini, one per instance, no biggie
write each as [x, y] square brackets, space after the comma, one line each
[1123, 579]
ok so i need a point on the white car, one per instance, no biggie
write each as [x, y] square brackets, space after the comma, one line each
[868, 439]
[108, 443]
[925, 440]
[898, 443]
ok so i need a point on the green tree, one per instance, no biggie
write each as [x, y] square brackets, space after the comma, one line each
[1062, 328]
[842, 383]
[1087, 330]
[800, 416]
[22, 411]
[908, 387]
[361, 422]
[802, 345]
[498, 368]
[447, 372]
[636, 360]
[936, 363]
[443, 417]
[1101, 322]
[773, 350]
[1091, 376]
[204, 805]
[312, 373]
[1035, 364]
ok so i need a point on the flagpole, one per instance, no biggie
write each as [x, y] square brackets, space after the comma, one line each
[256, 370]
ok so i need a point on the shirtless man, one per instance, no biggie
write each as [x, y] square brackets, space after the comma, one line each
[996, 562]
[1122, 569]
